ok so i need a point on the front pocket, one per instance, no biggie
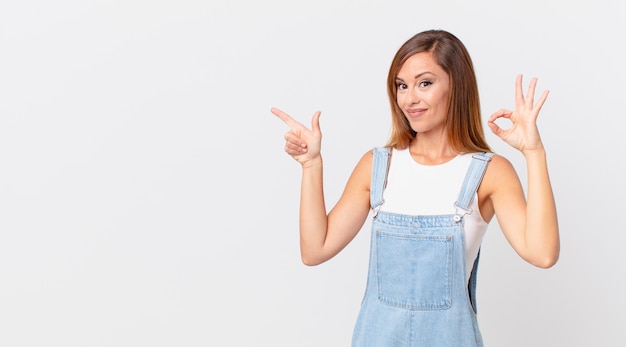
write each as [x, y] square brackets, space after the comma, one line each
[414, 270]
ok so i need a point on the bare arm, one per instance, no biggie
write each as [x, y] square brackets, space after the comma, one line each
[531, 226]
[324, 235]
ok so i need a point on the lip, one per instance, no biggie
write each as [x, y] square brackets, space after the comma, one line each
[415, 112]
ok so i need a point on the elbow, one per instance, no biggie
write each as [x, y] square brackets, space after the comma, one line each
[309, 260]
[546, 262]
[544, 256]
[314, 258]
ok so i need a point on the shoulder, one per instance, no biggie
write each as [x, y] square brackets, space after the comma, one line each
[366, 161]
[363, 170]
[362, 173]
[368, 158]
[500, 173]
[500, 184]
[499, 165]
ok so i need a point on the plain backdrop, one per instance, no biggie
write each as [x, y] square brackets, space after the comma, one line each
[145, 198]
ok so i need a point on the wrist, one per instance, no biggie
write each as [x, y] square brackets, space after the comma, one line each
[534, 153]
[317, 161]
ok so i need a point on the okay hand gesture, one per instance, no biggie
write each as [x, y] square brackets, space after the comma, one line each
[523, 134]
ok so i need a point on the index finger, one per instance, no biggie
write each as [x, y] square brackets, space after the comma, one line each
[285, 117]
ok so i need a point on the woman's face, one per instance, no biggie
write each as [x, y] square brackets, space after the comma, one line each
[423, 88]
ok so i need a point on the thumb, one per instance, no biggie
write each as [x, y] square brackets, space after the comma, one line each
[315, 122]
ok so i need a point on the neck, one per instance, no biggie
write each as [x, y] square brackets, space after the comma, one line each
[429, 150]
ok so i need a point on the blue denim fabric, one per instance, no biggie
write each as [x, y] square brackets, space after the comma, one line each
[416, 293]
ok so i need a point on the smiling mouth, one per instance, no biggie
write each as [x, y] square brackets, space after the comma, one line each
[414, 113]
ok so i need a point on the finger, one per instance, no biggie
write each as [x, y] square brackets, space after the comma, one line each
[519, 95]
[285, 117]
[530, 95]
[294, 139]
[495, 129]
[502, 113]
[315, 122]
[294, 149]
[541, 100]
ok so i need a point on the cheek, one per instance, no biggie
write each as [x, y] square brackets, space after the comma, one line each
[443, 101]
[400, 100]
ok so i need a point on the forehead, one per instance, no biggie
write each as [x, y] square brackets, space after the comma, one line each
[420, 63]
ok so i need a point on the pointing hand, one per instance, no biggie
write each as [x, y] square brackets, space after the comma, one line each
[302, 144]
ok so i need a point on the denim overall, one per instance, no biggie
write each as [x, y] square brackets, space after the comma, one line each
[416, 293]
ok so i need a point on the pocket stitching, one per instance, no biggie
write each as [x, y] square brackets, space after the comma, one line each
[442, 300]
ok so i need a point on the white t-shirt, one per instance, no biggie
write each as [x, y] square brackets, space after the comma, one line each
[416, 189]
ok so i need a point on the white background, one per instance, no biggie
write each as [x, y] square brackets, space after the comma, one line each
[145, 199]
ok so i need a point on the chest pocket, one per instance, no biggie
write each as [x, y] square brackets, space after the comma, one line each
[415, 269]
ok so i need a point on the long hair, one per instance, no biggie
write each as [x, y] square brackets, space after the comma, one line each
[463, 122]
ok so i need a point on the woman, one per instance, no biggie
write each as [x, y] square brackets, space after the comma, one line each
[433, 190]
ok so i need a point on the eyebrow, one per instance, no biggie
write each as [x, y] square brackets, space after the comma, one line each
[416, 76]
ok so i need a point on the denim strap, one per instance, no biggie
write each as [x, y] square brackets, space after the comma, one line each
[471, 182]
[380, 167]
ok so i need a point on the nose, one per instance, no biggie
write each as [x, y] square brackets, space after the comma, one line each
[412, 97]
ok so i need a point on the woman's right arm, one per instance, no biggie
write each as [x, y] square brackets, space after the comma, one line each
[324, 235]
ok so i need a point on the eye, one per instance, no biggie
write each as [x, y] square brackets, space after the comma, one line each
[425, 84]
[401, 86]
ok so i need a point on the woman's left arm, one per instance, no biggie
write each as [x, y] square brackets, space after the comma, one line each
[531, 224]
